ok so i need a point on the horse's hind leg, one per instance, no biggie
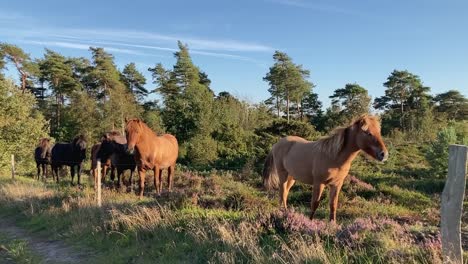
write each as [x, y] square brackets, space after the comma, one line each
[316, 194]
[79, 174]
[170, 176]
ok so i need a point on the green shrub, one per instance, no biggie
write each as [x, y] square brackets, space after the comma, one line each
[21, 126]
[437, 152]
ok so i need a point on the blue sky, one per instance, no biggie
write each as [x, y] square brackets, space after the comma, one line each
[340, 42]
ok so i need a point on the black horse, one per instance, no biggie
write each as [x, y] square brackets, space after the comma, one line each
[69, 154]
[42, 156]
[114, 146]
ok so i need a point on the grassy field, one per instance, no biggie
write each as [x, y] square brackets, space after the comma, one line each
[224, 217]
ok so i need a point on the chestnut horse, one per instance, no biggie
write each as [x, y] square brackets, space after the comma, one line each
[152, 152]
[323, 162]
[42, 156]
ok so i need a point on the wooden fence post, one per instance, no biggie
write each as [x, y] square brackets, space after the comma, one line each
[98, 187]
[452, 205]
[13, 170]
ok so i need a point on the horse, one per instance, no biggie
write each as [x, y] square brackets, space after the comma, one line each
[42, 157]
[114, 148]
[152, 152]
[69, 154]
[105, 164]
[324, 162]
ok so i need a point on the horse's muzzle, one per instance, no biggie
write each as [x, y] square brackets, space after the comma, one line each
[130, 150]
[382, 155]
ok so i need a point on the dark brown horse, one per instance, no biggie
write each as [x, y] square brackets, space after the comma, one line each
[69, 154]
[325, 162]
[114, 148]
[152, 152]
[105, 164]
[42, 156]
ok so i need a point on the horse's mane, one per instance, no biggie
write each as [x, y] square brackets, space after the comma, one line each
[44, 142]
[78, 139]
[335, 142]
[137, 123]
[116, 136]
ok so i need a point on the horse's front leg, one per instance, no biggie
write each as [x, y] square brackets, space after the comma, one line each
[72, 172]
[142, 174]
[334, 193]
[55, 175]
[157, 180]
[130, 180]
[316, 194]
[38, 170]
[120, 172]
[45, 171]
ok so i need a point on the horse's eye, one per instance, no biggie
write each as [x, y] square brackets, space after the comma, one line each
[368, 133]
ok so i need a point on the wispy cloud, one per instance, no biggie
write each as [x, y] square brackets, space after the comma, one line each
[132, 42]
[195, 43]
[315, 6]
[83, 46]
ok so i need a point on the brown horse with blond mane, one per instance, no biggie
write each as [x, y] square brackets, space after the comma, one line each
[324, 162]
[153, 152]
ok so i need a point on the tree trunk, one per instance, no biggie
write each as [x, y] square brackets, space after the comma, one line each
[23, 82]
[298, 107]
[57, 110]
[287, 105]
[277, 105]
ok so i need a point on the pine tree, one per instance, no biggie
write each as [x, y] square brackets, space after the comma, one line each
[353, 100]
[288, 82]
[134, 81]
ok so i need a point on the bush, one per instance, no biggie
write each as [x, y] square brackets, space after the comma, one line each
[437, 152]
[21, 126]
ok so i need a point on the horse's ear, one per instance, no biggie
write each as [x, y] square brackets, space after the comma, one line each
[362, 123]
[126, 120]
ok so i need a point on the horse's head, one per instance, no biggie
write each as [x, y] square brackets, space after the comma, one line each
[79, 146]
[44, 143]
[368, 137]
[109, 143]
[133, 131]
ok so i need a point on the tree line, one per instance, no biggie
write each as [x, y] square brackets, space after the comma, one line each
[77, 95]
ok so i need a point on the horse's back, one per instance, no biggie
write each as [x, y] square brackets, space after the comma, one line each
[61, 153]
[284, 145]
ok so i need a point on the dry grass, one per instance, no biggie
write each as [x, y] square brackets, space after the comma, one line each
[215, 219]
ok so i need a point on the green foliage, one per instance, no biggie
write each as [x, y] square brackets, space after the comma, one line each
[21, 126]
[23, 63]
[406, 102]
[134, 81]
[353, 101]
[437, 154]
[288, 83]
[453, 104]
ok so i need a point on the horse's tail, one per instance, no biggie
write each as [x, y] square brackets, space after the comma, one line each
[270, 177]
